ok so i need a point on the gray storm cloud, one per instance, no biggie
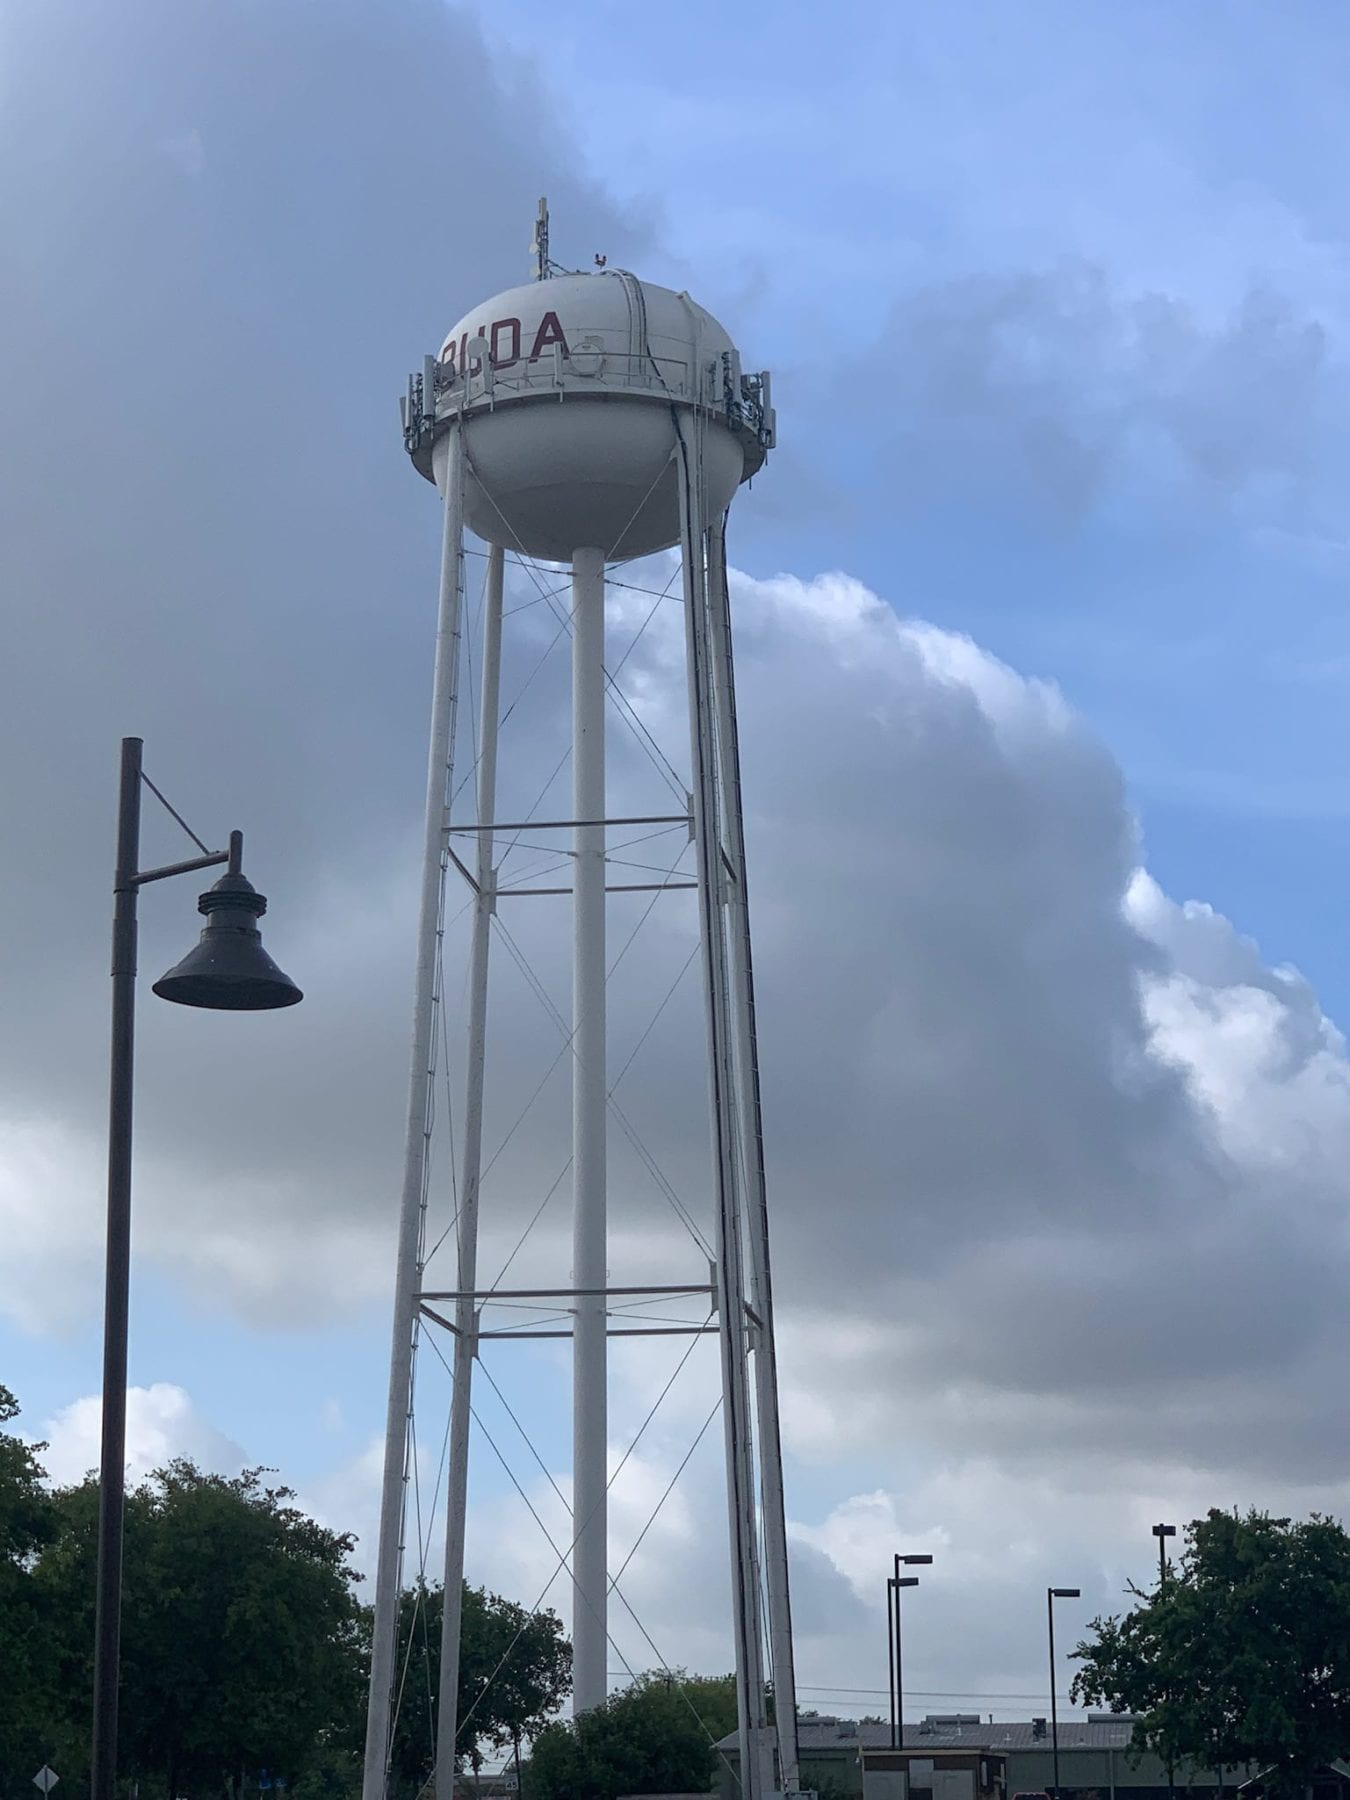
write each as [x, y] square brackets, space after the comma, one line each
[228, 231]
[1060, 388]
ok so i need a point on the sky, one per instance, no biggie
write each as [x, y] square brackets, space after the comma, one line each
[1043, 662]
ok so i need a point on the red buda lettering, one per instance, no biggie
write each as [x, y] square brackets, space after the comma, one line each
[504, 345]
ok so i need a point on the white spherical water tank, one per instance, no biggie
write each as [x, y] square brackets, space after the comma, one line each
[586, 419]
[567, 392]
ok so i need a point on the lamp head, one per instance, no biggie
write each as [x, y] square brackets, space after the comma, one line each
[228, 970]
[1066, 1593]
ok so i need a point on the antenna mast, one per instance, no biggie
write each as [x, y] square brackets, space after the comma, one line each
[539, 243]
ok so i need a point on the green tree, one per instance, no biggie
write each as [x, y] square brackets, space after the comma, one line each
[655, 1737]
[515, 1670]
[334, 1771]
[27, 1524]
[240, 1637]
[1242, 1655]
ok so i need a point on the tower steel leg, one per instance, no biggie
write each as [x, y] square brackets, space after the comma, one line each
[466, 1322]
[589, 1101]
[755, 1752]
[440, 765]
[742, 997]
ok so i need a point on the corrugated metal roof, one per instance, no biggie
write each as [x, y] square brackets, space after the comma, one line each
[1074, 1734]
[1017, 1734]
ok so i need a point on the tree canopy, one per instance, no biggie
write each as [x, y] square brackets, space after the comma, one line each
[655, 1737]
[515, 1670]
[244, 1645]
[28, 1523]
[240, 1640]
[1242, 1655]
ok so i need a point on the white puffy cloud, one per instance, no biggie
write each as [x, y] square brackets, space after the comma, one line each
[1046, 1148]
[163, 1422]
[1056, 1163]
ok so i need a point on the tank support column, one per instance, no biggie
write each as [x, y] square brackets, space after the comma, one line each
[408, 1275]
[750, 1119]
[755, 1738]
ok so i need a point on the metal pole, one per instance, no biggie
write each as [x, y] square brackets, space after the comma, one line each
[890, 1649]
[589, 1101]
[466, 1321]
[1162, 1583]
[1054, 1709]
[440, 760]
[749, 1109]
[112, 1459]
[899, 1673]
[1162, 1533]
[756, 1760]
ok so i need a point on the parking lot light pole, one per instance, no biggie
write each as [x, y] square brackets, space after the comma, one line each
[1162, 1533]
[893, 1587]
[1051, 1595]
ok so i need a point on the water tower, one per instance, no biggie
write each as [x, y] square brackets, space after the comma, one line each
[586, 419]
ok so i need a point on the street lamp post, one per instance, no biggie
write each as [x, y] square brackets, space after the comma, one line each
[1162, 1533]
[893, 1586]
[227, 971]
[1051, 1595]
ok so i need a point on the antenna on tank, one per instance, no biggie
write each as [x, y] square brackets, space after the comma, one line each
[539, 243]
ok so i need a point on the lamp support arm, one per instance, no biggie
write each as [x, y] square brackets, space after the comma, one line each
[190, 867]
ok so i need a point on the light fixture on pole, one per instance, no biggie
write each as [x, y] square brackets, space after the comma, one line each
[1162, 1533]
[893, 1587]
[1051, 1595]
[228, 971]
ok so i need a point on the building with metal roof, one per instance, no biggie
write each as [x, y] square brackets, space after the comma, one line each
[960, 1756]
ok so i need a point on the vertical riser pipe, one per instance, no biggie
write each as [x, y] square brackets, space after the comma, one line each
[589, 1101]
[466, 1322]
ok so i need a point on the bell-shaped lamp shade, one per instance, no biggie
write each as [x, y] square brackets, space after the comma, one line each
[229, 970]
